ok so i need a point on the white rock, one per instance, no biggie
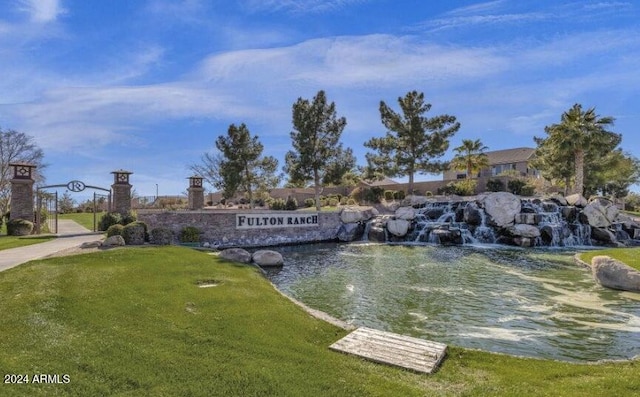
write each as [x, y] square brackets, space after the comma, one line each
[114, 241]
[398, 227]
[577, 200]
[351, 215]
[236, 255]
[502, 207]
[598, 213]
[406, 213]
[614, 274]
[267, 258]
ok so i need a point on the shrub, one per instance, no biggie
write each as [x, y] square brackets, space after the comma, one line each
[351, 202]
[115, 230]
[190, 234]
[465, 187]
[134, 233]
[520, 187]
[343, 200]
[428, 193]
[309, 202]
[398, 195]
[388, 195]
[108, 219]
[376, 194]
[19, 227]
[278, 204]
[333, 202]
[161, 236]
[527, 190]
[291, 204]
[131, 216]
[495, 185]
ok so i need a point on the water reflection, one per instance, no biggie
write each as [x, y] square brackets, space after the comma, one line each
[522, 302]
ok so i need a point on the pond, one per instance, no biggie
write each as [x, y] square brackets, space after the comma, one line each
[534, 303]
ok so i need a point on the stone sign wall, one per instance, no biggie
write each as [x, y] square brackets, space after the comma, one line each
[223, 228]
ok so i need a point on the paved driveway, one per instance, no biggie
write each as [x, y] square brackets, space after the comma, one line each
[70, 235]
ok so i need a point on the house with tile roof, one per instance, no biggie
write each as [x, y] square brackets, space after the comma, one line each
[500, 161]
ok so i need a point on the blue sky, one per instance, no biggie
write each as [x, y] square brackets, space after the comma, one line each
[148, 85]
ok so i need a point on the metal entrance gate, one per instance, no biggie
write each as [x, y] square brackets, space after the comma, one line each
[47, 212]
[47, 208]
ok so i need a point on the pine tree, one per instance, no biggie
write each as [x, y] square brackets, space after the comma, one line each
[316, 144]
[413, 141]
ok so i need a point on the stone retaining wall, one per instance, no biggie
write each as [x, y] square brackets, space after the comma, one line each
[219, 227]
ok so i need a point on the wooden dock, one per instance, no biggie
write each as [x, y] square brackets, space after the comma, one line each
[388, 348]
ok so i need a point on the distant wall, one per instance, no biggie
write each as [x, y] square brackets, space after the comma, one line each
[223, 228]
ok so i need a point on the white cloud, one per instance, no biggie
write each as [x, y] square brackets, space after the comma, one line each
[42, 11]
[353, 61]
[299, 6]
[489, 6]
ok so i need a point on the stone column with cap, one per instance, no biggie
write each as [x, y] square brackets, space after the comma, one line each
[22, 191]
[121, 191]
[196, 193]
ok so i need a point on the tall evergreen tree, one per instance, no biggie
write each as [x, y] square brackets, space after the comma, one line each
[317, 150]
[239, 164]
[413, 141]
[470, 157]
[579, 135]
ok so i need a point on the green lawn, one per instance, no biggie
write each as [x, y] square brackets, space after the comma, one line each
[630, 256]
[83, 218]
[134, 322]
[7, 242]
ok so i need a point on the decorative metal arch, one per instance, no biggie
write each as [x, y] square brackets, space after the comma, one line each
[73, 186]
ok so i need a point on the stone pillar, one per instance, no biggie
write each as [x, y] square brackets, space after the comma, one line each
[121, 192]
[196, 193]
[22, 191]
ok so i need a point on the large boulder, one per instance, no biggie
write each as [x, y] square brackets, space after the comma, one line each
[398, 227]
[603, 235]
[502, 207]
[114, 241]
[577, 200]
[350, 231]
[266, 258]
[523, 230]
[377, 231]
[558, 199]
[357, 214]
[600, 212]
[471, 214]
[351, 215]
[615, 274]
[406, 213]
[236, 255]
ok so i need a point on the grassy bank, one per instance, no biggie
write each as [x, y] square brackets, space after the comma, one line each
[135, 322]
[629, 256]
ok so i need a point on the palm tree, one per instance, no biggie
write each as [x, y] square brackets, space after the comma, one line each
[578, 133]
[470, 157]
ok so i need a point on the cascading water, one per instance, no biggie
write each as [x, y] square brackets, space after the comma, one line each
[484, 234]
[521, 222]
[556, 230]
